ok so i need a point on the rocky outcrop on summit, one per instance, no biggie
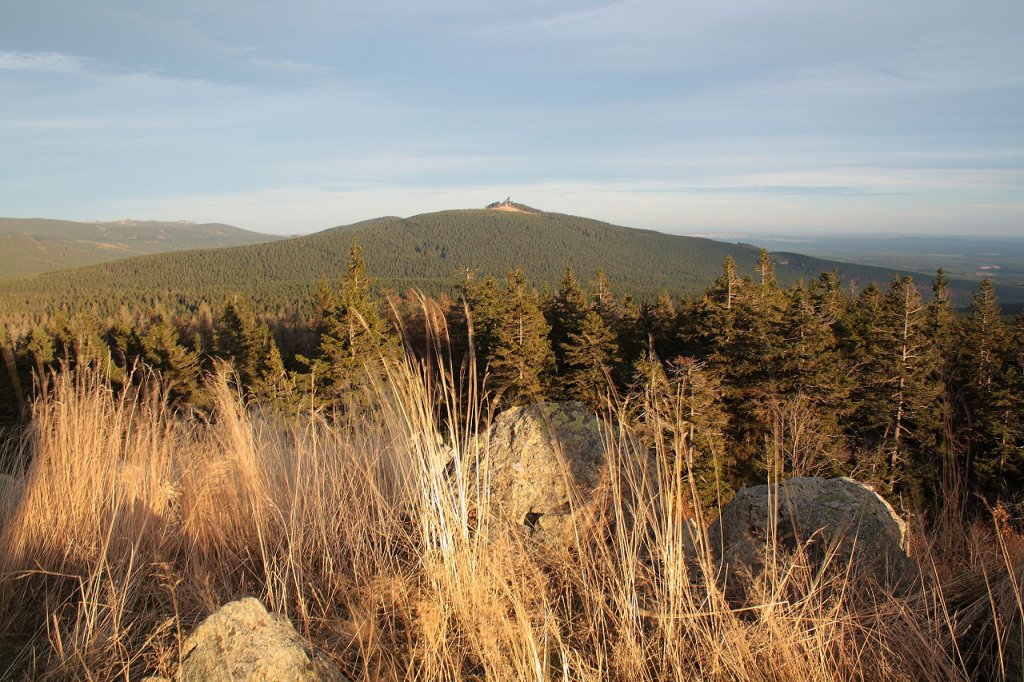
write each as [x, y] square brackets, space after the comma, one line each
[545, 463]
[509, 205]
[241, 641]
[838, 517]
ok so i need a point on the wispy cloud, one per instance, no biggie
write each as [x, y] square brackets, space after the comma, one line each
[40, 61]
[776, 190]
[289, 66]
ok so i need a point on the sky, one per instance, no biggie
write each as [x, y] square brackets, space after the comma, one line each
[688, 117]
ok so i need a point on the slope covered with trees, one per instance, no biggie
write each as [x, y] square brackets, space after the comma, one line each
[29, 246]
[434, 252]
[879, 383]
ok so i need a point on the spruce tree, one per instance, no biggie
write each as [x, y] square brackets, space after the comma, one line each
[631, 339]
[859, 330]
[81, 345]
[685, 423]
[522, 362]
[660, 324]
[590, 356]
[10, 382]
[162, 350]
[205, 329]
[727, 287]
[248, 344]
[768, 285]
[708, 324]
[604, 299]
[814, 376]
[987, 396]
[42, 353]
[943, 330]
[811, 364]
[748, 353]
[355, 339]
[829, 299]
[1012, 478]
[942, 326]
[123, 338]
[709, 464]
[900, 389]
[565, 313]
[486, 302]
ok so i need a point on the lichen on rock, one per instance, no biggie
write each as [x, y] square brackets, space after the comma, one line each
[544, 463]
[833, 521]
[242, 641]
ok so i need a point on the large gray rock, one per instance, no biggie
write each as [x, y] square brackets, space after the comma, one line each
[821, 515]
[241, 641]
[545, 463]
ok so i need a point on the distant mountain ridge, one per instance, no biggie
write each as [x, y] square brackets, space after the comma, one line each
[437, 251]
[30, 246]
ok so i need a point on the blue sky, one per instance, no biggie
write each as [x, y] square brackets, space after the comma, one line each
[904, 115]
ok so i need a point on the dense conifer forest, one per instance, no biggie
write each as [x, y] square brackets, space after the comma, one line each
[816, 378]
[433, 252]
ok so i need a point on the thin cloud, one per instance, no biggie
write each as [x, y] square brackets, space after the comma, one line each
[53, 62]
[778, 190]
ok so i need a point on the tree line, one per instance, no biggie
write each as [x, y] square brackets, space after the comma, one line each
[749, 377]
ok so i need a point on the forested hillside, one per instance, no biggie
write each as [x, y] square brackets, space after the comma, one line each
[879, 382]
[434, 252]
[30, 246]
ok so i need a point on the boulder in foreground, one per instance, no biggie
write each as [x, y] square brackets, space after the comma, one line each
[241, 641]
[545, 464]
[821, 515]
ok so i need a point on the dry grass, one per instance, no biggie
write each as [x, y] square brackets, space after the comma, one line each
[126, 524]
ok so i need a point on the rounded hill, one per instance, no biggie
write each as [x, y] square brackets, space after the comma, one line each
[433, 252]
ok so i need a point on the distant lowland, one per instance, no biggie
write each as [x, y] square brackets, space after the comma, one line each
[1000, 259]
[30, 246]
[433, 252]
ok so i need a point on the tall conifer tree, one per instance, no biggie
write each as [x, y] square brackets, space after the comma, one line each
[660, 323]
[355, 339]
[565, 312]
[590, 356]
[748, 354]
[163, 351]
[486, 301]
[522, 362]
[900, 388]
[982, 367]
[251, 348]
[42, 353]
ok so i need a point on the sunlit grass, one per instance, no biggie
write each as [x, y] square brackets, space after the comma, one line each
[124, 524]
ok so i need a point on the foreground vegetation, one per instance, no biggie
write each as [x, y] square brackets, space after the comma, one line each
[161, 470]
[125, 523]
